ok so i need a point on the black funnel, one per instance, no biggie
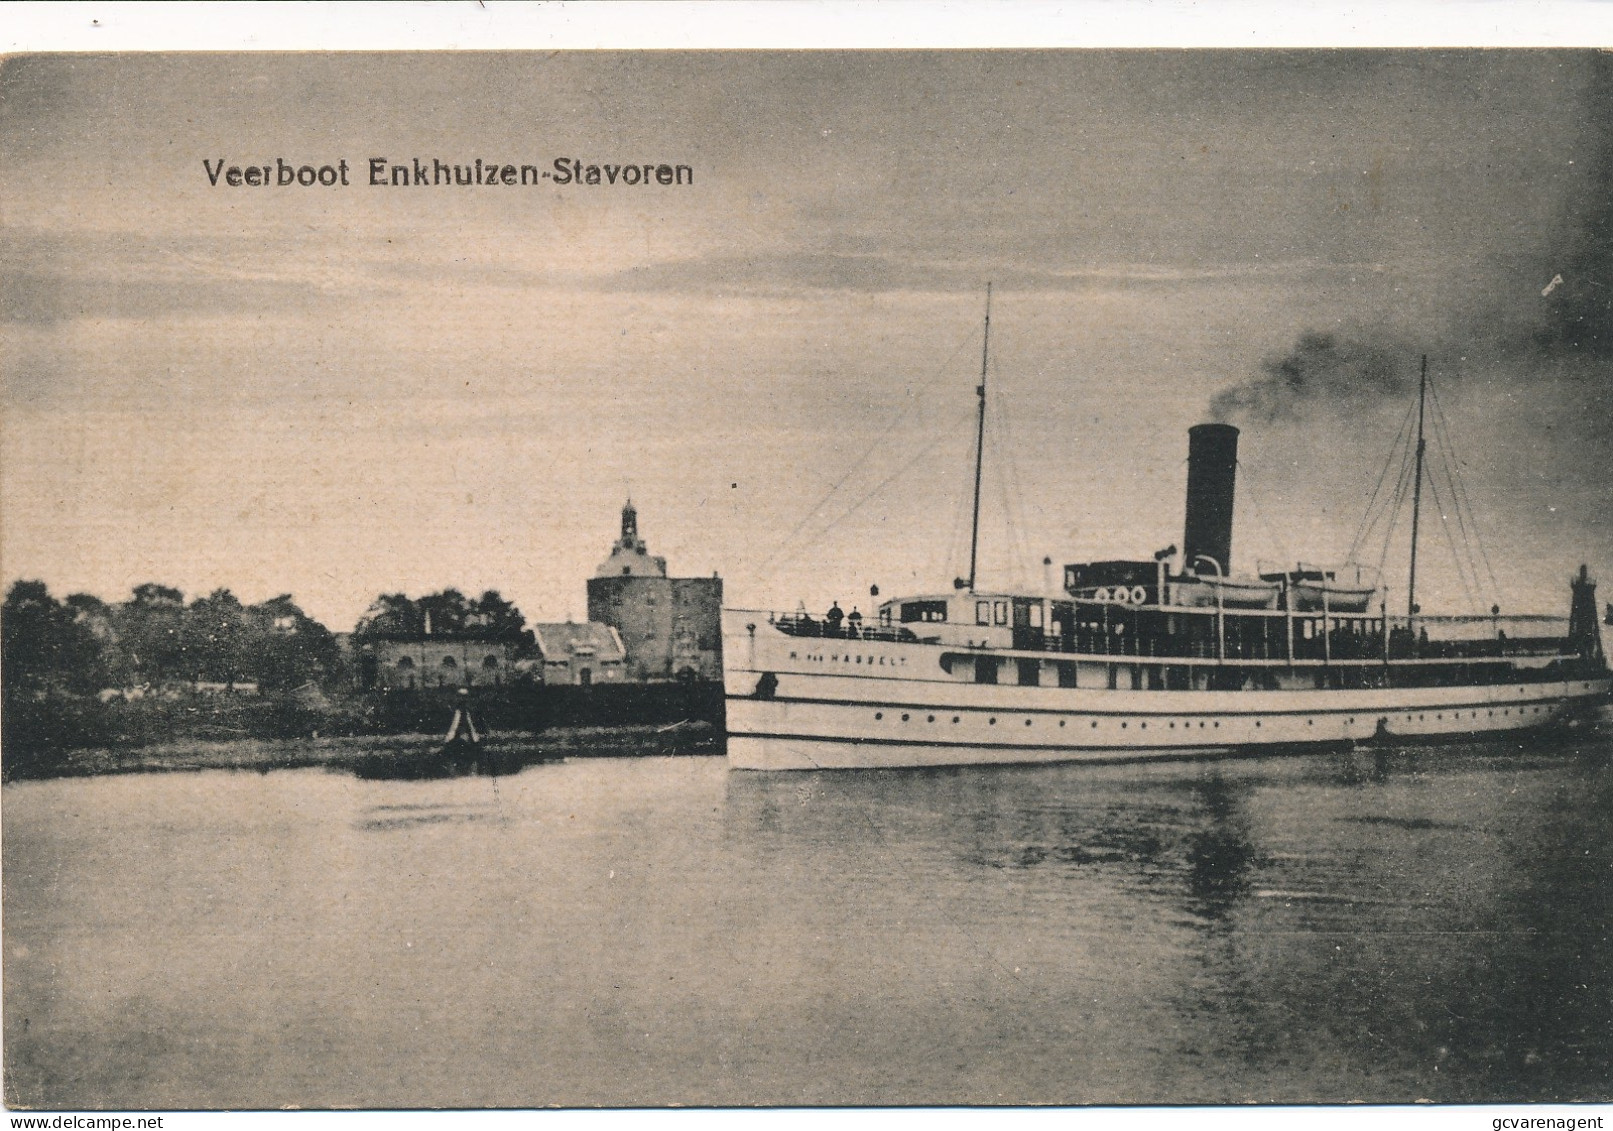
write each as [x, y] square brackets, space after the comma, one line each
[1212, 470]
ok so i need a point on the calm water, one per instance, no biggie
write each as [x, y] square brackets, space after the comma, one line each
[1417, 924]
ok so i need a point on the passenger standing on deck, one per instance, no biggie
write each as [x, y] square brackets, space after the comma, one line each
[855, 622]
[834, 616]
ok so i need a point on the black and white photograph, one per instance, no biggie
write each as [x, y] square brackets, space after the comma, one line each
[730, 578]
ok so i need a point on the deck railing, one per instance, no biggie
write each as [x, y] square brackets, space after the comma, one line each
[1343, 642]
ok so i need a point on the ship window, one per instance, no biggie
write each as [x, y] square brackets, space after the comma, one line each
[982, 612]
[927, 611]
[1030, 673]
[1306, 628]
[1000, 611]
[449, 662]
[405, 663]
[1036, 616]
[1066, 674]
[985, 669]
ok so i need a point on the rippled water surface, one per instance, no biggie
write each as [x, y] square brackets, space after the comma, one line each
[1373, 926]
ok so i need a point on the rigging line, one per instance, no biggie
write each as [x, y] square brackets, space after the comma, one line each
[1446, 456]
[1362, 529]
[949, 549]
[957, 546]
[786, 544]
[1371, 519]
[1000, 486]
[1443, 422]
[885, 482]
[1260, 516]
[1401, 483]
[1012, 491]
[1017, 516]
[913, 402]
[999, 482]
[1450, 540]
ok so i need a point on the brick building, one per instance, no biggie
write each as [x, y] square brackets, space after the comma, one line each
[580, 653]
[435, 661]
[671, 627]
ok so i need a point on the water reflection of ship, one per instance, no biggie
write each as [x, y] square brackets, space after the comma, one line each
[1220, 851]
[1188, 842]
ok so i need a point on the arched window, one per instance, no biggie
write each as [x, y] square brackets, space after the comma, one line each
[491, 661]
[405, 664]
[449, 662]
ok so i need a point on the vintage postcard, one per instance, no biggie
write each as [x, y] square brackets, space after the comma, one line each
[794, 578]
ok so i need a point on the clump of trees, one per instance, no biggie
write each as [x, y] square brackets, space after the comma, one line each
[83, 643]
[394, 616]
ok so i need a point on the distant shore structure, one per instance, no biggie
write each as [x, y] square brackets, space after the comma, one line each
[453, 660]
[580, 654]
[670, 626]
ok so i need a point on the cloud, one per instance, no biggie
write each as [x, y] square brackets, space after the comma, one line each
[773, 272]
[52, 277]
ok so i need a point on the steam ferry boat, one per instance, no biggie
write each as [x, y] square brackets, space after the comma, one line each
[1168, 656]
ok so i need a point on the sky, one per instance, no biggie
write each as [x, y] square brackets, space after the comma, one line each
[339, 392]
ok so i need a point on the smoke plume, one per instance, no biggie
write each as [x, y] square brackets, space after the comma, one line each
[1526, 340]
[1322, 372]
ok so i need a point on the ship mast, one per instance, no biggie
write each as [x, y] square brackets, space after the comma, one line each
[980, 441]
[1417, 492]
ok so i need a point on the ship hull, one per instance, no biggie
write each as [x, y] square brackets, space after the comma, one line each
[792, 704]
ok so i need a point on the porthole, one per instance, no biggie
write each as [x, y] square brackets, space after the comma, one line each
[1027, 722]
[1122, 725]
[932, 718]
[904, 718]
[1310, 722]
[1061, 722]
[954, 718]
[879, 714]
[1173, 726]
[1143, 725]
[1257, 722]
[993, 722]
[1216, 724]
[1094, 724]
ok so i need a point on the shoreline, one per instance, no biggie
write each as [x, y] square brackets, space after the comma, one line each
[348, 752]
